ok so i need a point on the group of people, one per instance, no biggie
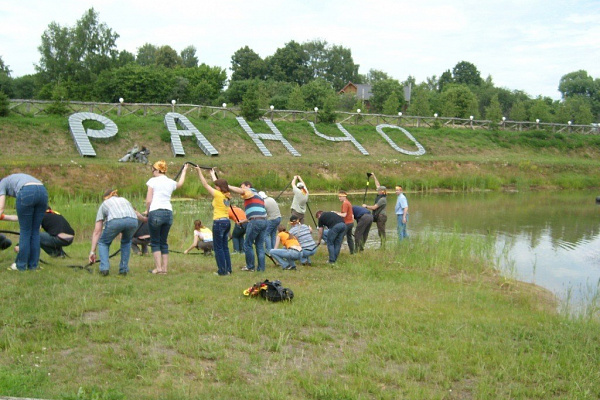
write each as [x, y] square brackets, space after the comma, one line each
[257, 228]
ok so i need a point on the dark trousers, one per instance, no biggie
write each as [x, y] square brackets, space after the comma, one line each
[363, 226]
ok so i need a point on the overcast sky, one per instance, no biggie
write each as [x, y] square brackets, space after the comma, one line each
[523, 44]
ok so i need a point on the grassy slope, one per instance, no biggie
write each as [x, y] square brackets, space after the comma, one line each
[455, 159]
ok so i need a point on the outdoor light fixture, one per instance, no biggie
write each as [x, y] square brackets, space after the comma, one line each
[569, 123]
[224, 105]
[173, 102]
[471, 118]
[272, 107]
[121, 100]
[316, 109]
[503, 119]
[537, 121]
[399, 114]
[358, 110]
[435, 115]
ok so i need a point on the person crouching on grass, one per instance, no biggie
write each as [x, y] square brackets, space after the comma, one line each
[291, 251]
[203, 239]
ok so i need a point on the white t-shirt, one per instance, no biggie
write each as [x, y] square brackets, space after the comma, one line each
[162, 188]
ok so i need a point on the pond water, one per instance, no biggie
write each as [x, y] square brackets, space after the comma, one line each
[551, 239]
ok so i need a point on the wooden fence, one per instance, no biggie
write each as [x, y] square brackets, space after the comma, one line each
[38, 107]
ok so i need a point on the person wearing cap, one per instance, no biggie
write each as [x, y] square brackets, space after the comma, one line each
[160, 212]
[336, 229]
[117, 216]
[364, 219]
[300, 198]
[256, 228]
[348, 216]
[273, 221]
[31, 204]
[304, 235]
[401, 210]
[378, 209]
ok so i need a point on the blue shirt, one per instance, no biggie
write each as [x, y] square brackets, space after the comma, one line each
[359, 212]
[401, 204]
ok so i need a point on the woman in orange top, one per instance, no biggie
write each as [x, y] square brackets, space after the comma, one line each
[291, 252]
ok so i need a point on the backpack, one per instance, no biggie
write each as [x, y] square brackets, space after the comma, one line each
[272, 291]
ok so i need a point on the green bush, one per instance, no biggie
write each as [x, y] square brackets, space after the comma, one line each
[4, 105]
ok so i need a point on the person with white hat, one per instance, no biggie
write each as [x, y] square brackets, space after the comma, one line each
[300, 198]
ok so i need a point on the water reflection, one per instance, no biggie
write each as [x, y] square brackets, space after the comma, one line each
[548, 238]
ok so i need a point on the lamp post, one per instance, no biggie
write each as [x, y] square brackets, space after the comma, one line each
[173, 102]
[316, 113]
[537, 123]
[471, 118]
[569, 122]
[224, 105]
[272, 107]
[121, 100]
[357, 115]
[399, 117]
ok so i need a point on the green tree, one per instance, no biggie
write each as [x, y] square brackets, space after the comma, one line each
[4, 105]
[146, 55]
[247, 64]
[315, 93]
[331, 63]
[136, 84]
[204, 83]
[539, 109]
[419, 105]
[576, 109]
[125, 57]
[376, 75]
[296, 99]
[445, 79]
[330, 105]
[250, 108]
[24, 87]
[382, 90]
[167, 57]
[459, 101]
[576, 83]
[6, 83]
[391, 104]
[518, 112]
[188, 57]
[289, 64]
[466, 73]
[493, 112]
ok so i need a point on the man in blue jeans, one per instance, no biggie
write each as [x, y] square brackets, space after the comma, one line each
[257, 225]
[117, 216]
[401, 213]
[336, 230]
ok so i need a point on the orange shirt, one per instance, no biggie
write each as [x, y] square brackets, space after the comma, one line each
[347, 208]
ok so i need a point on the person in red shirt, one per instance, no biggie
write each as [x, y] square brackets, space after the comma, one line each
[348, 216]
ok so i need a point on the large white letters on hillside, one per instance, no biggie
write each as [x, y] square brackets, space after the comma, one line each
[419, 152]
[174, 119]
[265, 136]
[84, 147]
[347, 137]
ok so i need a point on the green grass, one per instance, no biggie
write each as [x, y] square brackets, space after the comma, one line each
[426, 319]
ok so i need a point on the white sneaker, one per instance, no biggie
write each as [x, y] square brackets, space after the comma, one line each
[13, 266]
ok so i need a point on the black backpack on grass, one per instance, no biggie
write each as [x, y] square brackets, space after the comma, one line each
[275, 292]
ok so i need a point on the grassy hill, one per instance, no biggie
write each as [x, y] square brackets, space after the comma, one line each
[455, 159]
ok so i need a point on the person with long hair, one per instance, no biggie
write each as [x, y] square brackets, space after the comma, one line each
[291, 251]
[203, 239]
[160, 212]
[221, 224]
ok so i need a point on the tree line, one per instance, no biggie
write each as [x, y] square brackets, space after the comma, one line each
[83, 63]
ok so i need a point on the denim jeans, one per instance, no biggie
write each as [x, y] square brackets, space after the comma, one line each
[237, 237]
[402, 227]
[125, 226]
[221, 229]
[159, 224]
[255, 235]
[350, 236]
[286, 257]
[52, 245]
[271, 234]
[31, 204]
[305, 256]
[335, 237]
